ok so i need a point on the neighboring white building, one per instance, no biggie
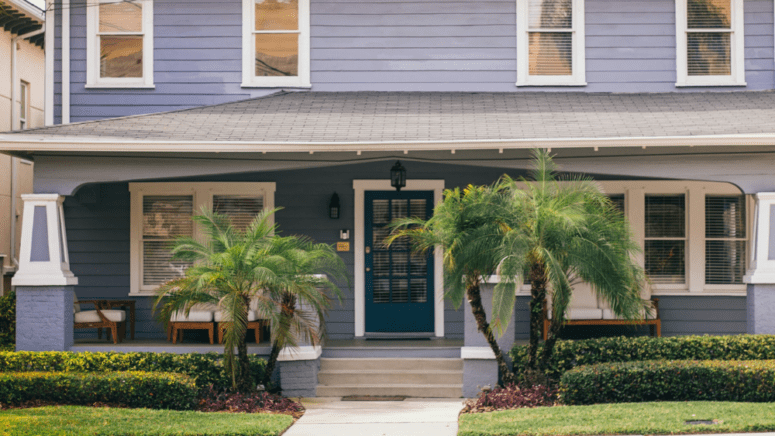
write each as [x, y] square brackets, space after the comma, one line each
[22, 18]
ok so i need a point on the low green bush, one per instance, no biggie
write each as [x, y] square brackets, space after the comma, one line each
[676, 380]
[154, 390]
[8, 320]
[204, 369]
[570, 354]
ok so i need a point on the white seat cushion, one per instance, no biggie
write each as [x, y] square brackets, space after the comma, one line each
[92, 316]
[193, 316]
[609, 314]
[585, 313]
[220, 316]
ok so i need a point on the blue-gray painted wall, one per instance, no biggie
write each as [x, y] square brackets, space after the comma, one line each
[398, 45]
[98, 239]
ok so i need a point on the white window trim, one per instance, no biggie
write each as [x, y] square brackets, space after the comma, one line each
[578, 78]
[202, 192]
[93, 79]
[360, 187]
[249, 78]
[635, 209]
[24, 113]
[737, 49]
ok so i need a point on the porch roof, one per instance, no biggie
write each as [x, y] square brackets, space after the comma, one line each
[324, 121]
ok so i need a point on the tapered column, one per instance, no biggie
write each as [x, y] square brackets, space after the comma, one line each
[44, 283]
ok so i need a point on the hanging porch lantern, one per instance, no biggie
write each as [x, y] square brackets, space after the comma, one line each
[398, 176]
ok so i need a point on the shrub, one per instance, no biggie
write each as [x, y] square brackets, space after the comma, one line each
[512, 397]
[8, 320]
[570, 354]
[679, 380]
[219, 401]
[133, 389]
[204, 369]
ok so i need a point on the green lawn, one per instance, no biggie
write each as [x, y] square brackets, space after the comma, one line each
[629, 418]
[76, 421]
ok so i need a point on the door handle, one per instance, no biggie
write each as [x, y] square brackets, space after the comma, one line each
[368, 250]
[368, 269]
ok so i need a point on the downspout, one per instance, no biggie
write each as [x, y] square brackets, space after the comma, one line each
[13, 215]
[14, 79]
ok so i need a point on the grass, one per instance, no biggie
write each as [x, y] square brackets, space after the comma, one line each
[92, 421]
[627, 418]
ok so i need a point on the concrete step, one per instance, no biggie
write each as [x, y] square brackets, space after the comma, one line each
[388, 364]
[391, 377]
[377, 390]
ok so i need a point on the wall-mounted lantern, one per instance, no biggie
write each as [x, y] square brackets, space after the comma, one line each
[333, 207]
[398, 176]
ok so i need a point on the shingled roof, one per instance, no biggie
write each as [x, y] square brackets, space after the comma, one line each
[374, 117]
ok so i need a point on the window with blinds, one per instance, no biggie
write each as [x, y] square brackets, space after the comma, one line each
[165, 217]
[241, 209]
[725, 239]
[665, 241]
[709, 31]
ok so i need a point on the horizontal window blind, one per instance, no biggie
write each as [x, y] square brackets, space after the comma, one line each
[241, 209]
[550, 49]
[618, 201]
[725, 244]
[665, 216]
[665, 244]
[165, 217]
[709, 37]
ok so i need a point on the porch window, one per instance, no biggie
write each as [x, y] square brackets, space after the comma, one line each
[710, 49]
[725, 239]
[162, 212]
[665, 242]
[275, 43]
[550, 42]
[119, 46]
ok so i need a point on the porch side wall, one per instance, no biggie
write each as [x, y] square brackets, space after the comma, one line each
[396, 45]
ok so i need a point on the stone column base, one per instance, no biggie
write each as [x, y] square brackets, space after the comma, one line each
[760, 303]
[298, 371]
[44, 318]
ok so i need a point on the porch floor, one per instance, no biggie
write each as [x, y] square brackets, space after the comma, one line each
[160, 346]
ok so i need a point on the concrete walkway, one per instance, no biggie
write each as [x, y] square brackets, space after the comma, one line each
[413, 416]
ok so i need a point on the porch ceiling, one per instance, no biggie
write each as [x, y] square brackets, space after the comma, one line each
[388, 121]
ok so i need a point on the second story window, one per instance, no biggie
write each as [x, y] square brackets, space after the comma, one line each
[120, 43]
[550, 42]
[275, 43]
[709, 43]
[24, 105]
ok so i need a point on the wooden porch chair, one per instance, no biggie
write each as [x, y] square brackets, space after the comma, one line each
[200, 317]
[114, 321]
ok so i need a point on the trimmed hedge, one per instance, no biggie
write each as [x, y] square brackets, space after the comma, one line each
[8, 320]
[153, 390]
[679, 380]
[570, 354]
[204, 369]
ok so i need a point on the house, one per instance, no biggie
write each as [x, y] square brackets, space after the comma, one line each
[170, 106]
[21, 81]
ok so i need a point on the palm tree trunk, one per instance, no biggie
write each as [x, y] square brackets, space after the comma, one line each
[475, 299]
[551, 339]
[271, 363]
[245, 383]
[287, 310]
[537, 297]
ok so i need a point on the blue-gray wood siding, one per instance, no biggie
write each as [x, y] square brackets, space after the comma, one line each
[98, 239]
[397, 45]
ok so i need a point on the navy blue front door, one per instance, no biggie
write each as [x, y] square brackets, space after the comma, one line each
[399, 283]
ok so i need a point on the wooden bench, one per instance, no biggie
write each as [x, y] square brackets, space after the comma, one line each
[655, 324]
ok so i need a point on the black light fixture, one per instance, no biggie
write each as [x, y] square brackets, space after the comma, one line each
[333, 207]
[398, 176]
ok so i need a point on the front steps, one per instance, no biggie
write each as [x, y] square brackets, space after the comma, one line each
[413, 377]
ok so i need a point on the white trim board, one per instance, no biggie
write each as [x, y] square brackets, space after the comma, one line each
[360, 187]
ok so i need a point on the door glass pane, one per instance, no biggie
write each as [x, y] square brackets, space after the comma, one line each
[400, 261]
[277, 54]
[381, 211]
[121, 56]
[417, 208]
[550, 14]
[550, 54]
[380, 233]
[277, 14]
[381, 261]
[382, 291]
[121, 17]
[709, 14]
[709, 54]
[419, 290]
[419, 265]
[400, 290]
[400, 209]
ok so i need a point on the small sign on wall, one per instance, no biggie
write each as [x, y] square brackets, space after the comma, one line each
[342, 246]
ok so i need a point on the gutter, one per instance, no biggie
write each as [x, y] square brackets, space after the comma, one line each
[14, 74]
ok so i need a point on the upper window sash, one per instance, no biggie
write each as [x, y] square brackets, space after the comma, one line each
[696, 29]
[269, 42]
[533, 31]
[112, 43]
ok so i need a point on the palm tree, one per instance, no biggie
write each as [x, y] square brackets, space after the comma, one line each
[561, 233]
[469, 226]
[236, 267]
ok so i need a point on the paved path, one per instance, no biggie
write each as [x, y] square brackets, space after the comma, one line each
[413, 416]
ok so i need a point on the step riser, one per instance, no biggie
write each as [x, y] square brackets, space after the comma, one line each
[384, 379]
[417, 392]
[392, 364]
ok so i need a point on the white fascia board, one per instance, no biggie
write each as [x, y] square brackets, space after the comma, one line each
[30, 10]
[33, 143]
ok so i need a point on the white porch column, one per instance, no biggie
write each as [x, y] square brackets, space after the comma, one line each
[760, 278]
[44, 283]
